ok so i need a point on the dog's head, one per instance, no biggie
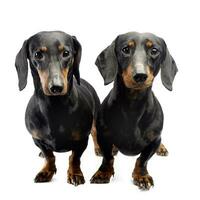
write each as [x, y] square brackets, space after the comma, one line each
[137, 58]
[54, 58]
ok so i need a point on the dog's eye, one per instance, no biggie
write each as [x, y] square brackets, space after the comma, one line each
[65, 53]
[38, 55]
[126, 50]
[154, 52]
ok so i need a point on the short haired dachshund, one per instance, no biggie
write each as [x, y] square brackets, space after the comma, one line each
[131, 117]
[63, 108]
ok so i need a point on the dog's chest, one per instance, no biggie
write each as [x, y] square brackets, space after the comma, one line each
[64, 128]
[129, 138]
[124, 126]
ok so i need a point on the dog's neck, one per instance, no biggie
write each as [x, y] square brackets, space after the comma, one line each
[69, 100]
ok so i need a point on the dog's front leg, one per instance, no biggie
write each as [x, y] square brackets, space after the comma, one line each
[75, 175]
[140, 174]
[106, 169]
[49, 169]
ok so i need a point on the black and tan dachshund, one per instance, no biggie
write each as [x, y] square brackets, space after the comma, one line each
[131, 117]
[62, 111]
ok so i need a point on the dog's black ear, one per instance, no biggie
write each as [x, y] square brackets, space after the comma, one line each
[107, 63]
[168, 69]
[77, 59]
[21, 65]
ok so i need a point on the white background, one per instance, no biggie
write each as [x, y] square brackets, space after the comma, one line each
[96, 24]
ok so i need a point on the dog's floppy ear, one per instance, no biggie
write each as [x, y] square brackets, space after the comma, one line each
[77, 59]
[21, 65]
[107, 63]
[168, 69]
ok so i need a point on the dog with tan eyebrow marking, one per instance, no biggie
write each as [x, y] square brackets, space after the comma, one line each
[131, 117]
[62, 111]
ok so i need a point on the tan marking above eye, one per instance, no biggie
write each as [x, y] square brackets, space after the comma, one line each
[61, 47]
[43, 49]
[149, 44]
[131, 43]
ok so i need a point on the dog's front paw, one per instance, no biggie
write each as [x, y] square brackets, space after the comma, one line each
[162, 151]
[101, 177]
[75, 179]
[44, 176]
[143, 182]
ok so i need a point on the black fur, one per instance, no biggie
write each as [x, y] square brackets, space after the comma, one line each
[131, 119]
[57, 118]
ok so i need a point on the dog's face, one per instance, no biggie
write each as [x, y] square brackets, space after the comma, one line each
[55, 57]
[137, 58]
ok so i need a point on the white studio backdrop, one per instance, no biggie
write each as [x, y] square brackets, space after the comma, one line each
[96, 24]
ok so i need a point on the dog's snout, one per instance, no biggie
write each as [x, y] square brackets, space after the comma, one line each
[140, 77]
[56, 85]
[56, 89]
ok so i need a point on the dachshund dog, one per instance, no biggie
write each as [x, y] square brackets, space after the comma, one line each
[62, 111]
[131, 117]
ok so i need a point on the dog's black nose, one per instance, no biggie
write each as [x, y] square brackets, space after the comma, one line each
[140, 78]
[56, 89]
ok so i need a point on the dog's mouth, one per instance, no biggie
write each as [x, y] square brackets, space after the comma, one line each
[58, 94]
[141, 86]
[53, 94]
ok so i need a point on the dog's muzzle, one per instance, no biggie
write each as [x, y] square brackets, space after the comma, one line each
[56, 85]
[140, 74]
